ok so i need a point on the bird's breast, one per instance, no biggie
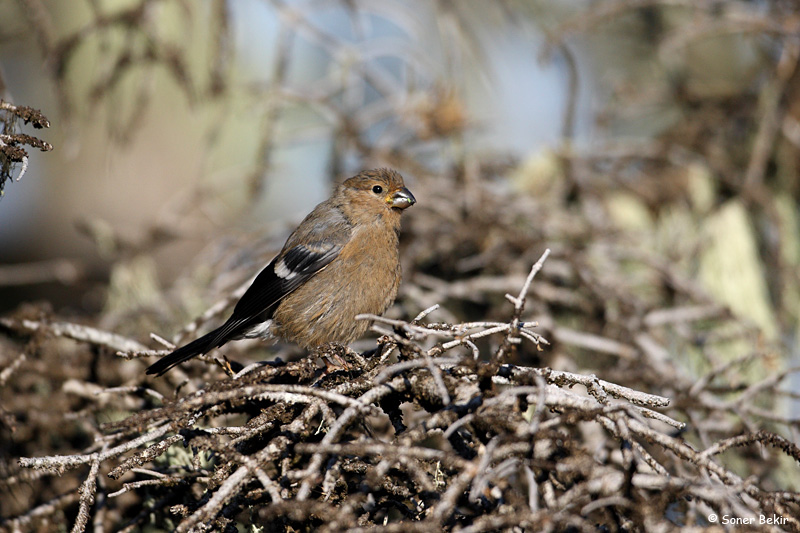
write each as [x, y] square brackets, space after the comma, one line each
[363, 279]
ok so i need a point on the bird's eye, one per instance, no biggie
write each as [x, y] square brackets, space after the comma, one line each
[377, 189]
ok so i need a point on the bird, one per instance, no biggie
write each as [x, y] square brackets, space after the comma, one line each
[341, 261]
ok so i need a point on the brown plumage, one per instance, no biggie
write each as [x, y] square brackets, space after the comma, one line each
[341, 261]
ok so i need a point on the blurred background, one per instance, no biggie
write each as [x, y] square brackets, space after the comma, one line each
[183, 127]
[178, 122]
[210, 118]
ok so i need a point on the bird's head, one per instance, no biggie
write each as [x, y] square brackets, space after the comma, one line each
[378, 191]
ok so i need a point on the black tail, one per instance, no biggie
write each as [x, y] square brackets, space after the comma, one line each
[204, 344]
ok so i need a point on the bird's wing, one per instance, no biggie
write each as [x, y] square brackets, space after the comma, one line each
[278, 279]
[284, 274]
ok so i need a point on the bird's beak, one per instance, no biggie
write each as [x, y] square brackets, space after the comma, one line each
[401, 199]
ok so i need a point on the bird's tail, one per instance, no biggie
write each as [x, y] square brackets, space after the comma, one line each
[204, 344]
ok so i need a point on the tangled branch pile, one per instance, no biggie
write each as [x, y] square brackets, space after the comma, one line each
[443, 438]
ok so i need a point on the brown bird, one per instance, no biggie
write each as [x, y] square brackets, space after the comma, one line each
[341, 261]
